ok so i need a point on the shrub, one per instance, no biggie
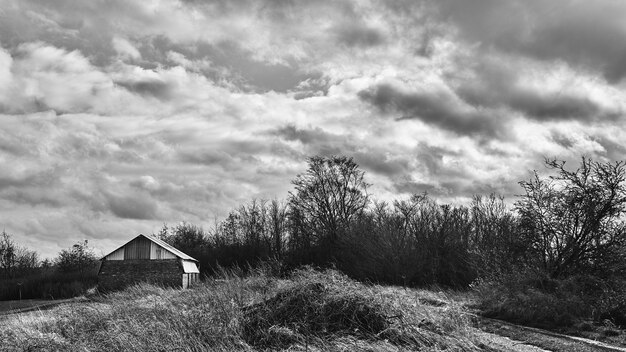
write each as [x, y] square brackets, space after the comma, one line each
[540, 301]
[312, 309]
[48, 285]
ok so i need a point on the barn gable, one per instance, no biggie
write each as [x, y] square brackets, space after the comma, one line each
[144, 247]
[146, 258]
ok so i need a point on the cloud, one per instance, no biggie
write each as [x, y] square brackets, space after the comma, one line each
[125, 49]
[583, 34]
[434, 106]
[149, 87]
[5, 72]
[380, 162]
[536, 91]
[135, 206]
[305, 136]
[316, 141]
[146, 182]
[352, 34]
[43, 77]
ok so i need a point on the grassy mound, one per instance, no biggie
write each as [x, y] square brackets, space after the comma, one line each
[313, 309]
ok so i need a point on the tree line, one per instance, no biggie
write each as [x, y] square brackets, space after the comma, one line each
[558, 254]
[568, 223]
[24, 276]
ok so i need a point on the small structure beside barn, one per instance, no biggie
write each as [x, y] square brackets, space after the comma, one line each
[147, 259]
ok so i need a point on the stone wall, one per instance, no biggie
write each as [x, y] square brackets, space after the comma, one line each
[117, 274]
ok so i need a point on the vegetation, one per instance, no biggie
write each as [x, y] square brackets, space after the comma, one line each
[574, 264]
[555, 259]
[308, 311]
[71, 274]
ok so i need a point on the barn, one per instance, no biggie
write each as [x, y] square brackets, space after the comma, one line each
[148, 259]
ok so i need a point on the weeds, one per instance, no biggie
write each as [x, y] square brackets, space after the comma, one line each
[309, 311]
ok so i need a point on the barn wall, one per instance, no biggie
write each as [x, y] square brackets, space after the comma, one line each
[117, 274]
[139, 248]
[158, 252]
[117, 255]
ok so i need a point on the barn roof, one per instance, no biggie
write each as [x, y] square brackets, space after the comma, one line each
[161, 244]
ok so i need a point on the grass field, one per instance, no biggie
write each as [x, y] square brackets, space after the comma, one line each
[310, 311]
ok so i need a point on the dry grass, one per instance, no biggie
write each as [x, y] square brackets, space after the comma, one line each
[311, 311]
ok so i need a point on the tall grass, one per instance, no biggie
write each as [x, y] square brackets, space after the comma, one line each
[309, 311]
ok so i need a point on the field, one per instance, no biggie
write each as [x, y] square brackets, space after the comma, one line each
[309, 311]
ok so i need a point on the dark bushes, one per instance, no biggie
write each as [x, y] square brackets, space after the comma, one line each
[537, 300]
[48, 285]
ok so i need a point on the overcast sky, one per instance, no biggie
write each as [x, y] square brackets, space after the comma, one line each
[118, 116]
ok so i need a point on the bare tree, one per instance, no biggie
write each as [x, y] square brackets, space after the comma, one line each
[329, 195]
[278, 226]
[494, 238]
[8, 255]
[575, 218]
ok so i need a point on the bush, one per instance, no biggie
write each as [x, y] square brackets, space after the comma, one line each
[313, 308]
[537, 300]
[48, 285]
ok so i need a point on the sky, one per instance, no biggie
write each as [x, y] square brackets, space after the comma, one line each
[119, 116]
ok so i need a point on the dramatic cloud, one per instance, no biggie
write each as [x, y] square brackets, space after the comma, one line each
[436, 106]
[119, 116]
[539, 91]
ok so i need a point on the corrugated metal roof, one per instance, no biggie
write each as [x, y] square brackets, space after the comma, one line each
[168, 247]
[162, 244]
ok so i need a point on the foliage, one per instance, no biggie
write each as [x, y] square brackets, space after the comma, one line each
[535, 299]
[78, 258]
[24, 277]
[48, 284]
[15, 260]
[214, 317]
[184, 236]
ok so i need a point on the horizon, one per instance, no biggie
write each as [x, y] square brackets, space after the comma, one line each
[119, 117]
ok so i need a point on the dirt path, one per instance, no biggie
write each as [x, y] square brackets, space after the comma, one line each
[13, 307]
[503, 336]
[500, 343]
